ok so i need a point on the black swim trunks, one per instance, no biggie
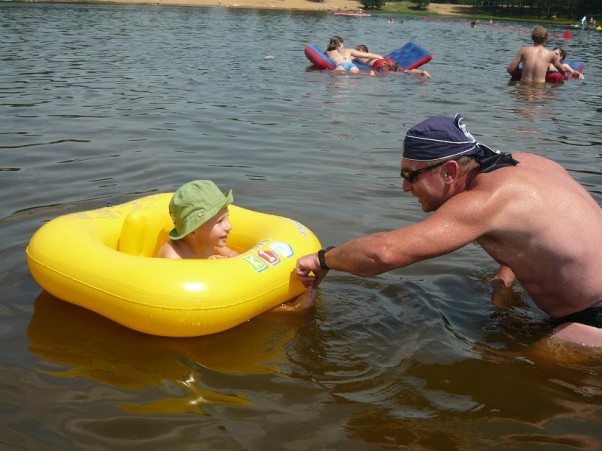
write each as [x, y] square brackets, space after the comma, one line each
[590, 316]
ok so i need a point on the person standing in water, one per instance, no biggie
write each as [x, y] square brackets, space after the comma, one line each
[536, 59]
[526, 211]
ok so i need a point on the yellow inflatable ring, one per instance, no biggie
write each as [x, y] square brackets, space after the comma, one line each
[102, 260]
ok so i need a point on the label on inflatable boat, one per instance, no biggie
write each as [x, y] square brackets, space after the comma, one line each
[262, 259]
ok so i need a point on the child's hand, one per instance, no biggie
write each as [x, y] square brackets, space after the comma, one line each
[301, 302]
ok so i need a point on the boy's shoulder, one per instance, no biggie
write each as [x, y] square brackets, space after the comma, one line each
[168, 250]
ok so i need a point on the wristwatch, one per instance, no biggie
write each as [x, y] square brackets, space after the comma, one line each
[321, 254]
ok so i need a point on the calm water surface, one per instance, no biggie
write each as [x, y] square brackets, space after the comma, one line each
[108, 103]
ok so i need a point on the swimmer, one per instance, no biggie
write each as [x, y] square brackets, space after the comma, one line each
[536, 59]
[562, 55]
[343, 57]
[386, 64]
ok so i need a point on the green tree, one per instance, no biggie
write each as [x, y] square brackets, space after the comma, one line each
[421, 4]
[567, 9]
[372, 4]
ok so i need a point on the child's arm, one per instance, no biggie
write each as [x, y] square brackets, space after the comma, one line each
[418, 72]
[358, 54]
[224, 252]
[230, 252]
[571, 71]
[558, 65]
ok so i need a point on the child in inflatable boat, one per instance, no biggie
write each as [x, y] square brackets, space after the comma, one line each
[199, 211]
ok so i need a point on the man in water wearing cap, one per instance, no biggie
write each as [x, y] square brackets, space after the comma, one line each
[199, 211]
[526, 211]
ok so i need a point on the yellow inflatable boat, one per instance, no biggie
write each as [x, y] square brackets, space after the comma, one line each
[102, 260]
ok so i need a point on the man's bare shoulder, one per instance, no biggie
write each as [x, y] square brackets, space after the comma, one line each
[523, 52]
[491, 192]
[510, 178]
[535, 181]
[475, 207]
[531, 161]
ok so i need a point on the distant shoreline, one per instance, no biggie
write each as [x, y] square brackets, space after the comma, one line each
[301, 5]
[298, 5]
[440, 10]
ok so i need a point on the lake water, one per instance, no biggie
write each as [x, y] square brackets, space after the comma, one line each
[103, 103]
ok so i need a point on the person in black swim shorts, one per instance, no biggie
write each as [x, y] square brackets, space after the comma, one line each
[591, 316]
[526, 211]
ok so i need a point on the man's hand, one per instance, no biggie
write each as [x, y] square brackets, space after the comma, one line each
[309, 272]
[502, 296]
[504, 278]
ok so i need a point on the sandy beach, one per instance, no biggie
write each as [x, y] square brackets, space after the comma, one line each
[305, 5]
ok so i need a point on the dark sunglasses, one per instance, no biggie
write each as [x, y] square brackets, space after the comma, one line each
[411, 176]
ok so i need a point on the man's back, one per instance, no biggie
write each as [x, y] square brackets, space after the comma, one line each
[536, 59]
[548, 229]
[535, 62]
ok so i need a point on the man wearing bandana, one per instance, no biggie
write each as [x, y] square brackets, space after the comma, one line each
[541, 226]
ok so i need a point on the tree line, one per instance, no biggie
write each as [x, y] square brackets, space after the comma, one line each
[550, 9]
[565, 9]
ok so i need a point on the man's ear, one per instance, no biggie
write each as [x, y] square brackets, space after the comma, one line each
[451, 171]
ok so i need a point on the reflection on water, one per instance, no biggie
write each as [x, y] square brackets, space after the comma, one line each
[102, 350]
[109, 103]
[533, 99]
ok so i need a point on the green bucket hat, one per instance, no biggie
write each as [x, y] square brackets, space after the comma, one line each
[194, 204]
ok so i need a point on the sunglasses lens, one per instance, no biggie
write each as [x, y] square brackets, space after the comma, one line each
[408, 175]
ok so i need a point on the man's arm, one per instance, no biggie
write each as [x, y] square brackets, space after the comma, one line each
[559, 66]
[515, 62]
[418, 72]
[358, 54]
[572, 72]
[458, 222]
[502, 296]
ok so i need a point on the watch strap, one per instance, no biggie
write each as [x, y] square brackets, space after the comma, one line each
[321, 259]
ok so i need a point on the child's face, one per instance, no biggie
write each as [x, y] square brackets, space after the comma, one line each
[215, 231]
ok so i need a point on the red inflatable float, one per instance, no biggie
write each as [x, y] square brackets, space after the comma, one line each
[410, 56]
[552, 76]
